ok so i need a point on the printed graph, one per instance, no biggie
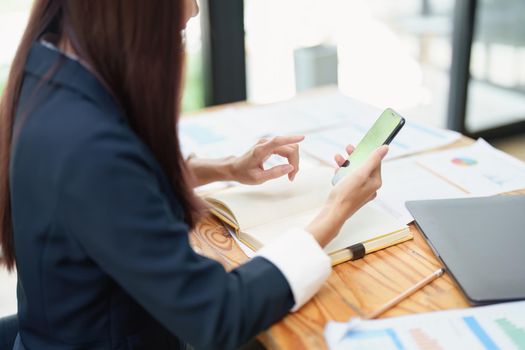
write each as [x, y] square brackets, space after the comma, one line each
[464, 161]
[385, 339]
[423, 340]
[480, 333]
[495, 327]
[515, 333]
[201, 134]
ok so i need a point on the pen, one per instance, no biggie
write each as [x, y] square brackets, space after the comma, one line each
[427, 280]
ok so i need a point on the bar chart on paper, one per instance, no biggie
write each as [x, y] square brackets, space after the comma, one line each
[514, 332]
[489, 328]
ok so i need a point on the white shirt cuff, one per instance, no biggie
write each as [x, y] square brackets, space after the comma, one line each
[301, 260]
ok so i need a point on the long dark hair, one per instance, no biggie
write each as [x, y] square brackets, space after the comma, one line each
[136, 49]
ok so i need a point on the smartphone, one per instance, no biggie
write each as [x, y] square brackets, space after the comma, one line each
[381, 133]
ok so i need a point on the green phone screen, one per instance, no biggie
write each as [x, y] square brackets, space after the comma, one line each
[379, 134]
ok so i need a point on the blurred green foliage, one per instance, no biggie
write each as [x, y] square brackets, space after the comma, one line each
[193, 97]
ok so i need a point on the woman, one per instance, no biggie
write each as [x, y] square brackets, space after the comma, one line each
[99, 202]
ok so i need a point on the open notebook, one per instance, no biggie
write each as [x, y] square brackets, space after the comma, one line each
[259, 214]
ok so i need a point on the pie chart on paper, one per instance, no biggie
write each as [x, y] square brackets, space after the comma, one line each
[464, 161]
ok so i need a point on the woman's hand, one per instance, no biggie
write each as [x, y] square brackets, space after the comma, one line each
[351, 193]
[248, 168]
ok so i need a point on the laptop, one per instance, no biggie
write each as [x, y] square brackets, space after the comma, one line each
[480, 241]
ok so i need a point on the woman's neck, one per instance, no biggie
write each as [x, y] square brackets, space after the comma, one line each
[64, 45]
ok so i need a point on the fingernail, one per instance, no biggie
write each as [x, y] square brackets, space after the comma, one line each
[289, 168]
[345, 164]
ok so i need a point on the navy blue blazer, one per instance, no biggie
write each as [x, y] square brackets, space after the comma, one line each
[102, 249]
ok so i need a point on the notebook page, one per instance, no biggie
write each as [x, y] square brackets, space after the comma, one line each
[367, 223]
[277, 199]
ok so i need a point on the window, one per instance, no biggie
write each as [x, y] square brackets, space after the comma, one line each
[496, 94]
[13, 18]
[389, 53]
[194, 87]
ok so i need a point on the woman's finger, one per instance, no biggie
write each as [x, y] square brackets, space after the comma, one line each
[371, 197]
[278, 141]
[275, 172]
[374, 160]
[290, 152]
[340, 160]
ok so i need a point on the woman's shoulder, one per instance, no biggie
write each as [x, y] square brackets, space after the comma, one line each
[67, 122]
[63, 106]
[67, 128]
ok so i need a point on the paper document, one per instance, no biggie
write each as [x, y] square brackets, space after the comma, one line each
[231, 131]
[216, 134]
[491, 327]
[329, 120]
[475, 170]
[405, 180]
[479, 169]
[413, 138]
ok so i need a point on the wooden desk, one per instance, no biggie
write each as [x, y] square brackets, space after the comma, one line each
[353, 288]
